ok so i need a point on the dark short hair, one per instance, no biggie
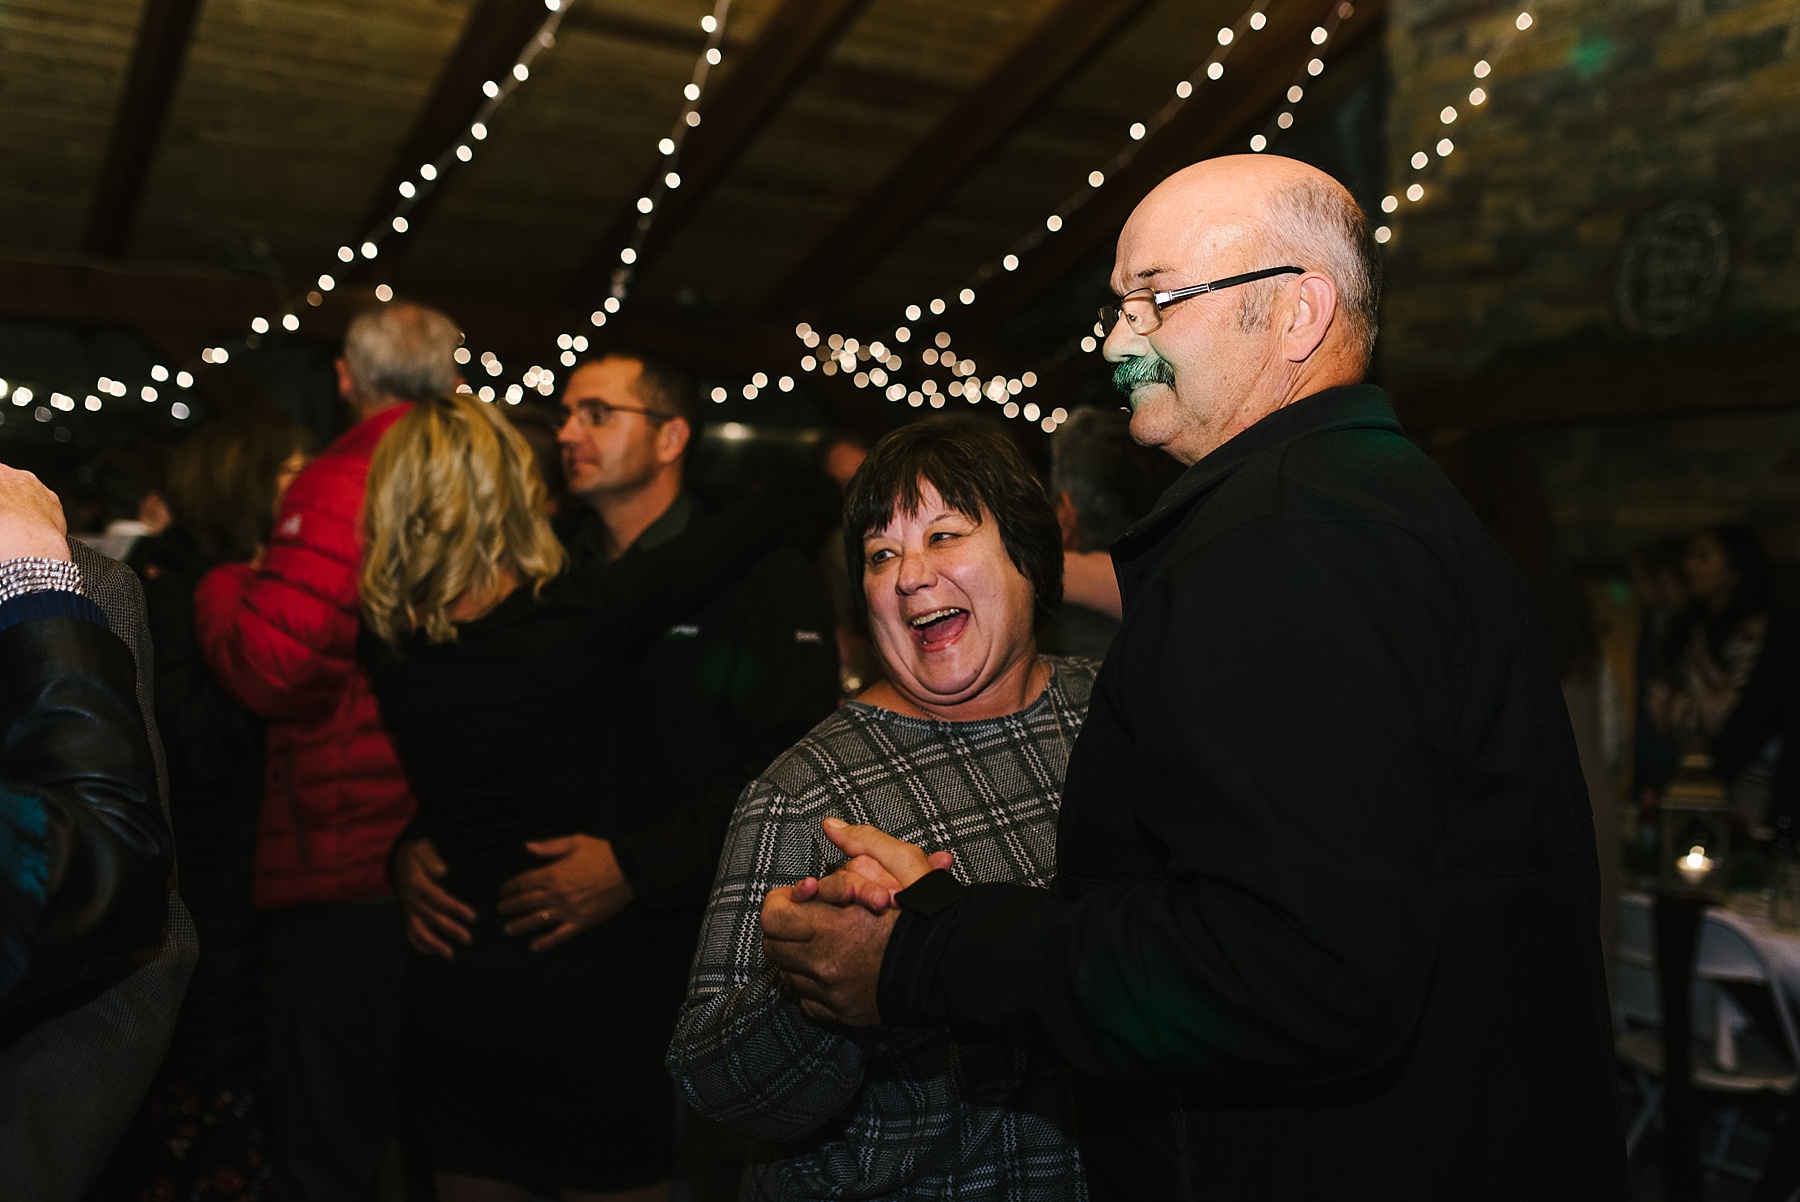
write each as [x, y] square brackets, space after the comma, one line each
[664, 385]
[975, 468]
[1110, 479]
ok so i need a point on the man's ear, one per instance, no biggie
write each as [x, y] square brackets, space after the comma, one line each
[1068, 519]
[1310, 318]
[346, 385]
[672, 442]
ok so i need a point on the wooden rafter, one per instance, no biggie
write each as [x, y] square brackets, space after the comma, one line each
[1258, 73]
[491, 40]
[219, 306]
[1060, 42]
[164, 31]
[793, 39]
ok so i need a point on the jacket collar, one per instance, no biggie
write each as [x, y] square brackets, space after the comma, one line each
[362, 437]
[1346, 407]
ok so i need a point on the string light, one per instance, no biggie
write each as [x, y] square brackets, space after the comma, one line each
[1296, 92]
[1420, 160]
[1001, 389]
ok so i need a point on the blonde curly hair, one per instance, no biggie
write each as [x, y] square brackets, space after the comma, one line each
[454, 501]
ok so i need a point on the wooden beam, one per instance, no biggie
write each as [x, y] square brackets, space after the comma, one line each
[1257, 74]
[1063, 40]
[217, 307]
[793, 39]
[164, 31]
[492, 38]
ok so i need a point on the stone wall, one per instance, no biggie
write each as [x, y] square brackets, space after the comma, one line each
[1616, 230]
[1615, 486]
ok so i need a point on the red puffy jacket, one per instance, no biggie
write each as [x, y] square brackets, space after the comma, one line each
[282, 638]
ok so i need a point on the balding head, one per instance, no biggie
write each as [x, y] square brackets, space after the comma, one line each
[1219, 364]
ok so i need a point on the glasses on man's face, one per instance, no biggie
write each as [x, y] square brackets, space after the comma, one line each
[594, 414]
[1143, 309]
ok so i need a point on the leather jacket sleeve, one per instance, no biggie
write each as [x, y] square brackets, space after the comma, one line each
[91, 852]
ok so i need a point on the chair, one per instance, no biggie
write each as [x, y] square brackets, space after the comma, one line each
[1745, 1035]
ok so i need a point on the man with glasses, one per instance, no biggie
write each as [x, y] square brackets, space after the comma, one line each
[1325, 919]
[715, 700]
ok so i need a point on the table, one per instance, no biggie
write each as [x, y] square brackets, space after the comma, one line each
[1781, 947]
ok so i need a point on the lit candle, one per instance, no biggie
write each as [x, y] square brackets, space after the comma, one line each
[1694, 866]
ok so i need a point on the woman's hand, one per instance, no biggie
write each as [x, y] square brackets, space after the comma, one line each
[582, 885]
[879, 867]
[433, 917]
[31, 518]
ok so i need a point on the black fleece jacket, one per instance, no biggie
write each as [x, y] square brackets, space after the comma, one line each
[1324, 922]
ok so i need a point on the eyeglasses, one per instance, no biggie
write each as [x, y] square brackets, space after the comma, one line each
[594, 414]
[1142, 309]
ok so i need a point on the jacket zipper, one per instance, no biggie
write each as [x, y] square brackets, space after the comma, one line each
[293, 800]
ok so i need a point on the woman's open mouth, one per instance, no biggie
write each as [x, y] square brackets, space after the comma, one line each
[939, 628]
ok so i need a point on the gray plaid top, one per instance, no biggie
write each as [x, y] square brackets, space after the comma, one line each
[898, 1113]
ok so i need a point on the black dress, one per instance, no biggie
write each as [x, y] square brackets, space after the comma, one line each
[541, 1068]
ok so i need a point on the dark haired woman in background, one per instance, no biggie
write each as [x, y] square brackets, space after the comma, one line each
[1714, 648]
[206, 1110]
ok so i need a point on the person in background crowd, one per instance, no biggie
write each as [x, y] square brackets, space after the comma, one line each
[124, 498]
[281, 638]
[1661, 594]
[858, 667]
[538, 428]
[208, 1110]
[844, 454]
[503, 682]
[95, 946]
[956, 561]
[1324, 921]
[1713, 647]
[1101, 482]
[714, 700]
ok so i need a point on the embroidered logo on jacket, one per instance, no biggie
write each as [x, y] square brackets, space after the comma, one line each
[683, 631]
[812, 637]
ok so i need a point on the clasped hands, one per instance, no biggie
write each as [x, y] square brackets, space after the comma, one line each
[828, 936]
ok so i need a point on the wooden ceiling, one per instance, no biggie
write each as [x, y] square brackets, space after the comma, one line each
[855, 155]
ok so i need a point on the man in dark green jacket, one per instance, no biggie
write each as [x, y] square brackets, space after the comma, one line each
[1324, 922]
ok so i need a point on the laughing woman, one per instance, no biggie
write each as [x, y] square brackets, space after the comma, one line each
[956, 556]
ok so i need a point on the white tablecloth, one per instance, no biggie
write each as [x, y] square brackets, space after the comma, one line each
[1781, 947]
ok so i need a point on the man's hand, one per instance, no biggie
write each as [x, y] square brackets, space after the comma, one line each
[581, 887]
[433, 918]
[830, 956]
[879, 867]
[31, 518]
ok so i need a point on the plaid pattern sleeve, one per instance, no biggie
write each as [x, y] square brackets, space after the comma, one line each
[895, 1113]
[744, 1053]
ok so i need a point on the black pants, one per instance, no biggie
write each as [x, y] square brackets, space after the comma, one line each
[332, 980]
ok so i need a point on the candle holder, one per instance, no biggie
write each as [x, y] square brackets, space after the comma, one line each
[1696, 830]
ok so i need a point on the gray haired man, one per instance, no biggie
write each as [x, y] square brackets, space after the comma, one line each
[280, 636]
